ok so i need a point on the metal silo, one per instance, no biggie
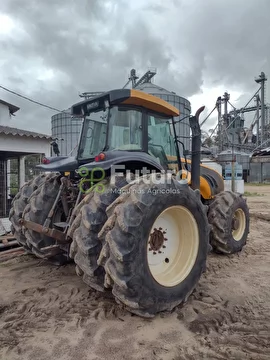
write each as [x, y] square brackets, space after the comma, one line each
[67, 130]
[182, 128]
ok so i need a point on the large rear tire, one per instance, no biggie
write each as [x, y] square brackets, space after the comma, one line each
[229, 218]
[156, 245]
[90, 217]
[37, 209]
[18, 205]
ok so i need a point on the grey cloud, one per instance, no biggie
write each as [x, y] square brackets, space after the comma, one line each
[92, 45]
[71, 41]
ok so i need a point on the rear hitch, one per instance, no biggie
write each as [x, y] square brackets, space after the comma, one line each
[56, 234]
[51, 213]
[53, 233]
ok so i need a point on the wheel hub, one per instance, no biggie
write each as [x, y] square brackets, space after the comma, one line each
[176, 227]
[157, 239]
[238, 224]
[235, 223]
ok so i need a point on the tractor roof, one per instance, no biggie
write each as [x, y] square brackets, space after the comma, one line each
[125, 97]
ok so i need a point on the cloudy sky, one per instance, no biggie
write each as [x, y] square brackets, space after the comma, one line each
[53, 50]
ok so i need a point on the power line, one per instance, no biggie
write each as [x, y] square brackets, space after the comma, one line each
[33, 101]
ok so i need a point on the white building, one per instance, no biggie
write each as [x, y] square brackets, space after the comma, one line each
[16, 144]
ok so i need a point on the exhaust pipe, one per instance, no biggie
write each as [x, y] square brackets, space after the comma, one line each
[195, 149]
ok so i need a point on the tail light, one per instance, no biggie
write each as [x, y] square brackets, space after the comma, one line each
[100, 157]
[45, 161]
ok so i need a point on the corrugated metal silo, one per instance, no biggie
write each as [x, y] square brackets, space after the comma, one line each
[67, 130]
[182, 128]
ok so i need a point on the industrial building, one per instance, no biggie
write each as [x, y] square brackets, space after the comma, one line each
[15, 146]
[235, 143]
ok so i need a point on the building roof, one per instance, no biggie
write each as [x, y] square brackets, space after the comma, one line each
[262, 152]
[7, 130]
[12, 108]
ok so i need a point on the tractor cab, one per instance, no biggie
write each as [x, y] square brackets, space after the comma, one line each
[137, 134]
[137, 127]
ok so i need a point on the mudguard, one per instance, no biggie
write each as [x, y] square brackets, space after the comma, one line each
[133, 160]
[59, 163]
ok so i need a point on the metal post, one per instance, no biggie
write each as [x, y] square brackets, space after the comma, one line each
[258, 118]
[261, 79]
[21, 171]
[233, 167]
[196, 149]
[262, 109]
[226, 99]
[218, 105]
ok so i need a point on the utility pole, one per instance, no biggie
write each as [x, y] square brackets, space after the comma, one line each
[262, 79]
[218, 106]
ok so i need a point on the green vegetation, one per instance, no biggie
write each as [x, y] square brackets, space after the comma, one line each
[248, 193]
[258, 184]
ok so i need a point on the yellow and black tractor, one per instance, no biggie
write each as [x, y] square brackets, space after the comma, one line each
[130, 210]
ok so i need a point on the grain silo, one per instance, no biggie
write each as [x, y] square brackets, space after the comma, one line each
[67, 131]
[182, 127]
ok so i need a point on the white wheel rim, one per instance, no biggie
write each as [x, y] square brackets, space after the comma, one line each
[239, 222]
[172, 255]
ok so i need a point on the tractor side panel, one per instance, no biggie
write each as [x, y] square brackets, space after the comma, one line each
[214, 180]
[205, 188]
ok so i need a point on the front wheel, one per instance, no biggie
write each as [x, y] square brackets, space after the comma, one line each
[156, 244]
[229, 217]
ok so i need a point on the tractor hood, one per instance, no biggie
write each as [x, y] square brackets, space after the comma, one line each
[59, 163]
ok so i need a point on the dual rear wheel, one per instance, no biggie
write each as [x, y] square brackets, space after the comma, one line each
[149, 243]
[33, 203]
[152, 246]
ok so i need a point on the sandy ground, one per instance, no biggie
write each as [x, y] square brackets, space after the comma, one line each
[48, 313]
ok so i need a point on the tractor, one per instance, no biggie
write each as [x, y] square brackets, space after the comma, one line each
[138, 218]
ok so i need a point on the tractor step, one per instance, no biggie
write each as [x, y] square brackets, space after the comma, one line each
[61, 225]
[52, 250]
